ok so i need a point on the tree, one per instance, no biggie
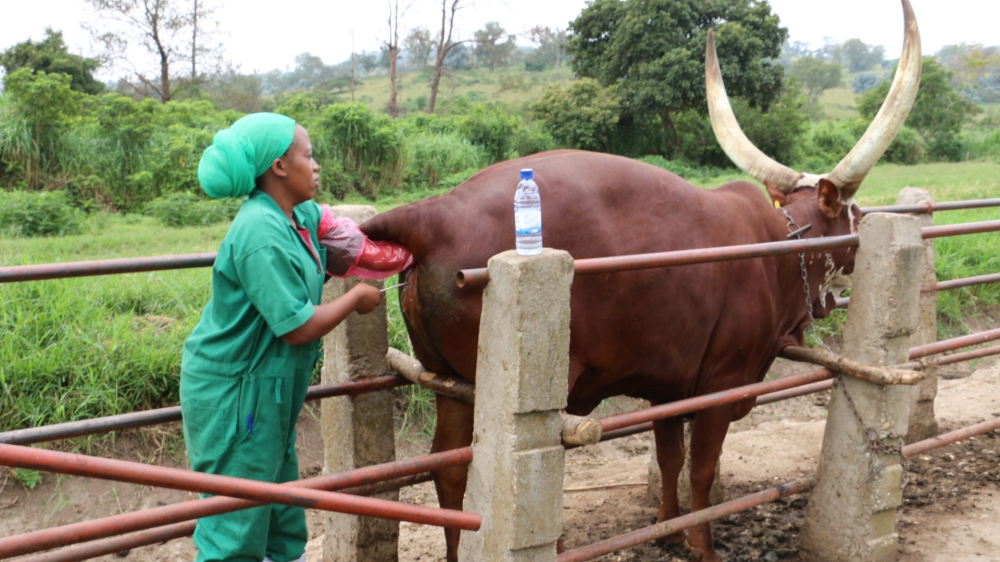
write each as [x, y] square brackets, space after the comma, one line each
[419, 45]
[938, 114]
[392, 51]
[654, 51]
[50, 55]
[162, 28]
[445, 44]
[490, 49]
[859, 56]
[551, 47]
[583, 116]
[816, 75]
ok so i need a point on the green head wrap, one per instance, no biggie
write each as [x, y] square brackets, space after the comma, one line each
[243, 152]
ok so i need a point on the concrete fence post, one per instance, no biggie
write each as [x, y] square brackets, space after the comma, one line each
[851, 512]
[922, 422]
[516, 476]
[357, 432]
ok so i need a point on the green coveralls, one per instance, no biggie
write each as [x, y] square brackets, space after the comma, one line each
[242, 386]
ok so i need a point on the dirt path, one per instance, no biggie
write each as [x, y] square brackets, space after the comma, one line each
[951, 509]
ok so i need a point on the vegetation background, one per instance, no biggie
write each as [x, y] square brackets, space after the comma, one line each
[97, 171]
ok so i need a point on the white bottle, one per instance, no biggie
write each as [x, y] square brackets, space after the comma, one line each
[528, 215]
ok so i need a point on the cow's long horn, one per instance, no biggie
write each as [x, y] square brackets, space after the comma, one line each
[734, 141]
[890, 118]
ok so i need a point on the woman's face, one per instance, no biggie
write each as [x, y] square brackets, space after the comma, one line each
[302, 171]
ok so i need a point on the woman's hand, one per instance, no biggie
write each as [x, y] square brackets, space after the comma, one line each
[367, 298]
[362, 298]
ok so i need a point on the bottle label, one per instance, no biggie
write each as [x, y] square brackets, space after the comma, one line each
[527, 222]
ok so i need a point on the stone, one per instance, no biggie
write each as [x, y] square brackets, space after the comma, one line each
[851, 511]
[922, 423]
[516, 476]
[357, 432]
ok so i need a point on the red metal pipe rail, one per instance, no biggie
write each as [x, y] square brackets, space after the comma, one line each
[163, 477]
[672, 526]
[710, 400]
[350, 482]
[480, 276]
[933, 207]
[94, 426]
[761, 400]
[946, 285]
[930, 232]
[954, 343]
[967, 282]
[968, 356]
[166, 533]
[950, 437]
[103, 267]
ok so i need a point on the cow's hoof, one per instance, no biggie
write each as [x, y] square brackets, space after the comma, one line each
[703, 555]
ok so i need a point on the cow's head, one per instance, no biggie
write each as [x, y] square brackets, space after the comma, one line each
[825, 201]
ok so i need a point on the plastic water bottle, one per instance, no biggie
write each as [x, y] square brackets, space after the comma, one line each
[528, 215]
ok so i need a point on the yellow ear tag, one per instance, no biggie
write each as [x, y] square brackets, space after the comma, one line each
[777, 205]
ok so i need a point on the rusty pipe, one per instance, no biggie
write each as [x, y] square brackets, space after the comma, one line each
[138, 473]
[954, 343]
[683, 522]
[933, 207]
[104, 267]
[967, 282]
[94, 426]
[930, 232]
[966, 356]
[166, 533]
[761, 400]
[950, 437]
[711, 400]
[349, 482]
[590, 266]
[945, 285]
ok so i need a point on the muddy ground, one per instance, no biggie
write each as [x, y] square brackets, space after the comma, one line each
[951, 506]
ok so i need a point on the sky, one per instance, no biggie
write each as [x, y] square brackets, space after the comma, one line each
[260, 36]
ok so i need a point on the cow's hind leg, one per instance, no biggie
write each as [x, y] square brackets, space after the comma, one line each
[707, 434]
[453, 431]
[669, 434]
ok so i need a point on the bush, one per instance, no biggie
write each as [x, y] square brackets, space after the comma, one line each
[38, 214]
[368, 148]
[907, 148]
[682, 169]
[187, 209]
[493, 129]
[585, 115]
[432, 156]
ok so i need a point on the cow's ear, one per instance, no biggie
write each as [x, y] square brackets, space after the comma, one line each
[778, 197]
[829, 198]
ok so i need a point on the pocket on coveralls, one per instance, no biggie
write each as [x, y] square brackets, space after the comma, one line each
[208, 430]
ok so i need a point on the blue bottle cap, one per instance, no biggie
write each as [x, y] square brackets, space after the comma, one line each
[527, 174]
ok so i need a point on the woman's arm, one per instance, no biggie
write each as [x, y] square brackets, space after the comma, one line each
[362, 298]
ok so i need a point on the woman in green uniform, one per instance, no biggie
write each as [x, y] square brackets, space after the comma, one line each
[246, 367]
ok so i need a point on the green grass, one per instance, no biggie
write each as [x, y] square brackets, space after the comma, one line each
[839, 103]
[80, 348]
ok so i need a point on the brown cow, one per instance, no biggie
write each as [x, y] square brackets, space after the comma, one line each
[663, 334]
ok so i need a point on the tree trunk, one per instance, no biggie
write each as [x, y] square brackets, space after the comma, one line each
[670, 132]
[194, 42]
[164, 78]
[393, 52]
[435, 83]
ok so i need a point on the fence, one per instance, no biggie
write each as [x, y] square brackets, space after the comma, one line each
[527, 459]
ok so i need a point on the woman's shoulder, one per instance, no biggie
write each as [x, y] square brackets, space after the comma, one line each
[257, 225]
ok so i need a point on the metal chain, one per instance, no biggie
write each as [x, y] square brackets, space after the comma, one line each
[792, 227]
[874, 442]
